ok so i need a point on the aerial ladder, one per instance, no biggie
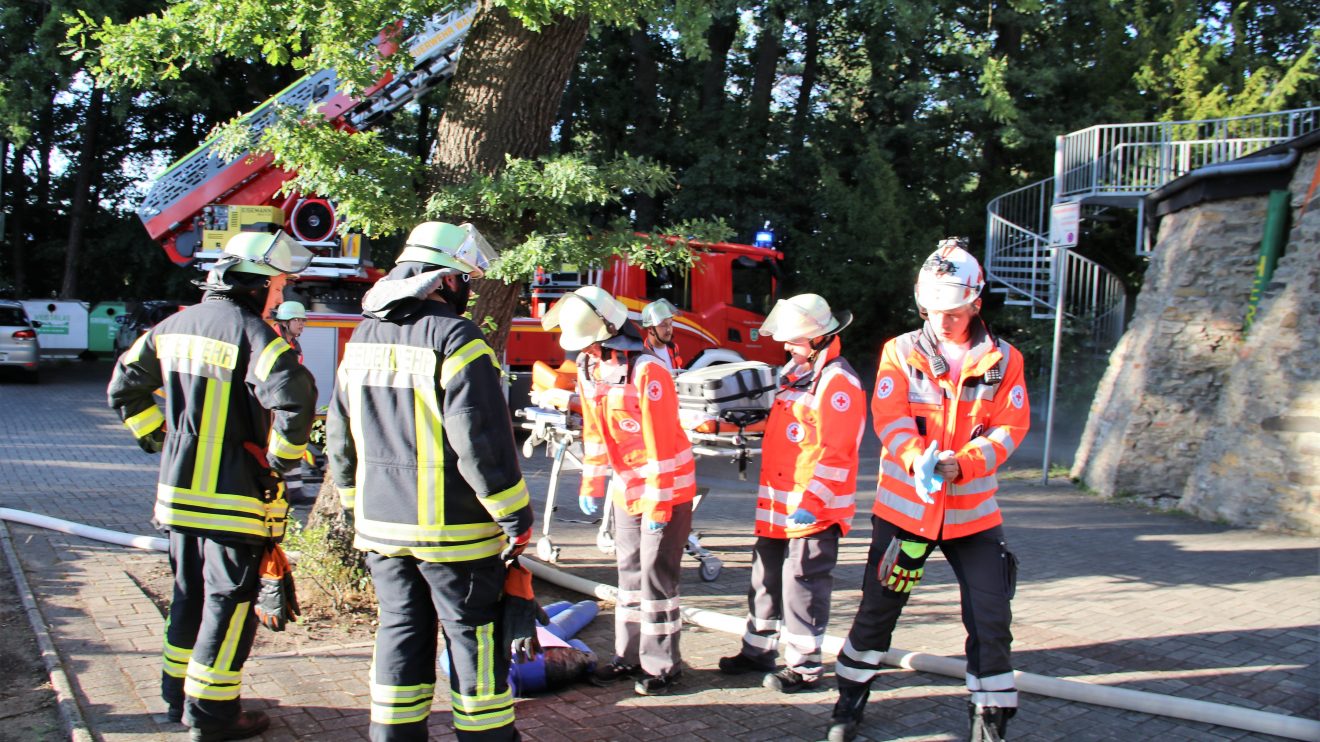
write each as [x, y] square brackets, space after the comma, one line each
[203, 199]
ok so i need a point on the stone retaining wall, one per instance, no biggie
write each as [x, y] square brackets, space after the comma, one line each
[1190, 413]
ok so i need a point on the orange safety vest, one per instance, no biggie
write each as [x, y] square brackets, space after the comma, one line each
[810, 449]
[982, 417]
[631, 426]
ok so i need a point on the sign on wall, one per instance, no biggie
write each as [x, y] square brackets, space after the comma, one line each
[1064, 222]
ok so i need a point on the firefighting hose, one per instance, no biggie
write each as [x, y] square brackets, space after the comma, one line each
[1263, 722]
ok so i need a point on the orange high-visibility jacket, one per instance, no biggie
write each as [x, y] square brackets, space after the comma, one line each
[630, 425]
[981, 419]
[809, 452]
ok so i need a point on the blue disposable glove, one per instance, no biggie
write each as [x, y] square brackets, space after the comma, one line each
[653, 525]
[802, 517]
[923, 473]
[588, 505]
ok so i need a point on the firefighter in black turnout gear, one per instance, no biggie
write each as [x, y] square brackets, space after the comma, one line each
[421, 447]
[238, 410]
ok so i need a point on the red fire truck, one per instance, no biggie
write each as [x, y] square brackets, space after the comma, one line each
[202, 200]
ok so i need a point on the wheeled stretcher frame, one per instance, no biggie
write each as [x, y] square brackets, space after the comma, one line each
[562, 433]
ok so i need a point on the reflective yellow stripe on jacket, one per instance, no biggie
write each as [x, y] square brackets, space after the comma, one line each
[429, 537]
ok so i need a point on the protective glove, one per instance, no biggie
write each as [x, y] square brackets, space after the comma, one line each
[281, 465]
[802, 517]
[588, 505]
[277, 598]
[152, 442]
[923, 474]
[516, 546]
[653, 525]
[521, 614]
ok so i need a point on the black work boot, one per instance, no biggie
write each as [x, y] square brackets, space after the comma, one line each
[741, 663]
[989, 723]
[848, 711]
[248, 724]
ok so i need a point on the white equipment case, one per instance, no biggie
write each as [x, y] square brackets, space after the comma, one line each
[729, 388]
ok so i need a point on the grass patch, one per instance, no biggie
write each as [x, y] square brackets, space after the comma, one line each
[328, 563]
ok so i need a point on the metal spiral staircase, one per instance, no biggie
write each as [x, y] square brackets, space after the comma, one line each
[1103, 167]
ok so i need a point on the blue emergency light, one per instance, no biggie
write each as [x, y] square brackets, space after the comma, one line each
[764, 237]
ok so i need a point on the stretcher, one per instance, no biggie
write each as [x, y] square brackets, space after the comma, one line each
[561, 431]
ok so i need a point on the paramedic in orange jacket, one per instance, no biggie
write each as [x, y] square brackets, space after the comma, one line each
[630, 427]
[658, 331]
[806, 501]
[950, 407]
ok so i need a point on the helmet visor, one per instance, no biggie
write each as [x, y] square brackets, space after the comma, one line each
[658, 311]
[475, 252]
[286, 254]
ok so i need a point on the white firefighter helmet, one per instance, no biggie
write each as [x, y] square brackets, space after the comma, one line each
[588, 315]
[803, 317]
[264, 254]
[290, 310]
[658, 311]
[950, 278]
[458, 248]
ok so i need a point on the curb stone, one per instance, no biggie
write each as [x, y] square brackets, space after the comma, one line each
[70, 713]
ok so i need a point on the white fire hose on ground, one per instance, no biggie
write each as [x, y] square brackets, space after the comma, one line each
[1071, 690]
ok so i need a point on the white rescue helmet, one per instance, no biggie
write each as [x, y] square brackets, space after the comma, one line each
[290, 310]
[950, 278]
[658, 311]
[803, 317]
[264, 254]
[588, 315]
[459, 248]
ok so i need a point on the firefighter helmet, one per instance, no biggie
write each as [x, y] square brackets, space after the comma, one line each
[803, 317]
[290, 310]
[264, 254]
[658, 311]
[458, 248]
[588, 315]
[950, 278]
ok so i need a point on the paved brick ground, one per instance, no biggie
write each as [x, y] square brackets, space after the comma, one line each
[1109, 593]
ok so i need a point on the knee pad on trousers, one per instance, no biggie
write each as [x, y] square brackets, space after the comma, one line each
[903, 565]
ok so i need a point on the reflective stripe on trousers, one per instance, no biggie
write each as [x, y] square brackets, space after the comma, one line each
[210, 627]
[647, 628]
[464, 598]
[981, 564]
[789, 599]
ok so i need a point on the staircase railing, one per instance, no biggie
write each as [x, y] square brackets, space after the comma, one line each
[1109, 165]
[1135, 159]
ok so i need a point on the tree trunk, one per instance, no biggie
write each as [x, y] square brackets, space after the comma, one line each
[765, 67]
[45, 140]
[505, 94]
[719, 39]
[499, 301]
[503, 102]
[82, 187]
[646, 116]
[810, 62]
[18, 208]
